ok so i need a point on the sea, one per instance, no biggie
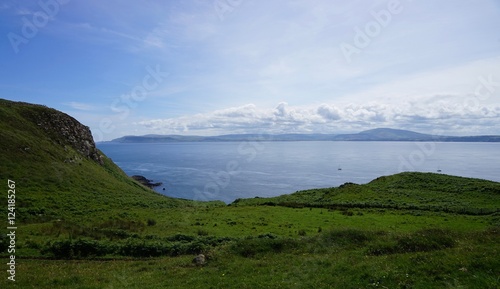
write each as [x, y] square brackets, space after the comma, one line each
[227, 171]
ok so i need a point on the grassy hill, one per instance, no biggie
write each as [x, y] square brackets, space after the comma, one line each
[409, 190]
[59, 173]
[82, 223]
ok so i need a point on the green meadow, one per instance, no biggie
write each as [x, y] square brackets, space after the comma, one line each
[266, 247]
[267, 243]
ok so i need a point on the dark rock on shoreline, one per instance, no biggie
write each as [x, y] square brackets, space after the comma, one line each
[145, 182]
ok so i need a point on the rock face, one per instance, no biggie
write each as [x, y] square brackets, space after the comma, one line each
[65, 130]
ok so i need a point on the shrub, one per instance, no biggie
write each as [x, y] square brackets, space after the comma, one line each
[347, 213]
[295, 205]
[196, 247]
[137, 248]
[273, 204]
[81, 248]
[181, 238]
[113, 233]
[215, 241]
[151, 222]
[202, 232]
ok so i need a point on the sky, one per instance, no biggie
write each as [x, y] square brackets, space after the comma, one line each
[211, 67]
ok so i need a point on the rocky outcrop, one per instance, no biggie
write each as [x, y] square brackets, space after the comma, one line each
[64, 130]
[145, 182]
[71, 132]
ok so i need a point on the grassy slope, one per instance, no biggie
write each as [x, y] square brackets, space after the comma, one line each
[409, 230]
[49, 186]
[422, 191]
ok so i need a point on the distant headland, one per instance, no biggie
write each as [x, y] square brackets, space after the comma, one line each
[379, 134]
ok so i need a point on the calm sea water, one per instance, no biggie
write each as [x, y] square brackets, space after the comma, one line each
[230, 170]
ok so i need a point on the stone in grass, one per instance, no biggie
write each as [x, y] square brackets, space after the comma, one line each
[199, 260]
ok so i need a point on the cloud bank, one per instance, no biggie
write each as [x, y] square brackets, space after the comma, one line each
[440, 115]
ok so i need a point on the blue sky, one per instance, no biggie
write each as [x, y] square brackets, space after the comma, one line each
[207, 67]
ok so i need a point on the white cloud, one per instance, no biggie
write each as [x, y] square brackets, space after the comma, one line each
[420, 72]
[427, 117]
[328, 112]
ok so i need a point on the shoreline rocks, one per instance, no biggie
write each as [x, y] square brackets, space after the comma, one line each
[146, 182]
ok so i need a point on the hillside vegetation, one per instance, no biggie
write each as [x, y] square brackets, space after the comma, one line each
[82, 223]
[58, 171]
[410, 191]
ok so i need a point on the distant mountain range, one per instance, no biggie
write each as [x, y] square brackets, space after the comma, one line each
[379, 134]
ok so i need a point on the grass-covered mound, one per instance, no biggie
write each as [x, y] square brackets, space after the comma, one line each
[409, 190]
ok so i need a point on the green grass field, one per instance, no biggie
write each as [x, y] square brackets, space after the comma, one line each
[87, 225]
[251, 244]
[301, 248]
